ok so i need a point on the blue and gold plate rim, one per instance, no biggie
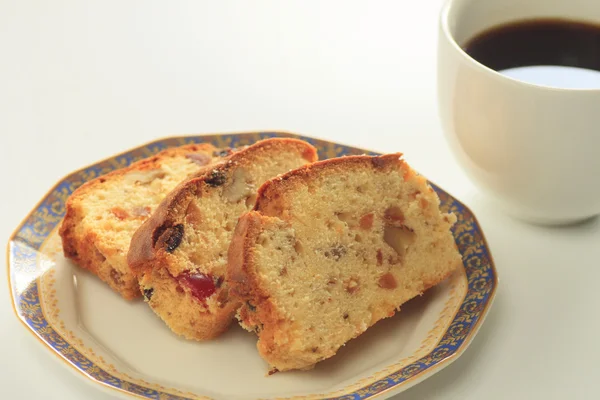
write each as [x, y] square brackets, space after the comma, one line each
[30, 235]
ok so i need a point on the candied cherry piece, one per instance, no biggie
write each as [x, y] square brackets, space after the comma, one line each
[201, 285]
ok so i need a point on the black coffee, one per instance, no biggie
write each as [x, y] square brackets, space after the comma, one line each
[552, 52]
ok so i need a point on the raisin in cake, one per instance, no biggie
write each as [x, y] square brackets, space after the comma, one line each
[332, 248]
[180, 253]
[103, 214]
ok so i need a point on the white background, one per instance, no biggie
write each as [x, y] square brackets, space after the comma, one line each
[80, 81]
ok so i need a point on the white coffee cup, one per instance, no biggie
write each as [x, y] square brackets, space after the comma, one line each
[534, 150]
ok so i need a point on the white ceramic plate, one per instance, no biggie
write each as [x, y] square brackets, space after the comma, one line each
[124, 347]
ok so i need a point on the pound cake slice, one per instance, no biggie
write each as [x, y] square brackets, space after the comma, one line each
[103, 214]
[180, 254]
[332, 248]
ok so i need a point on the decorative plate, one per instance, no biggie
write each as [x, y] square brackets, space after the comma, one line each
[123, 347]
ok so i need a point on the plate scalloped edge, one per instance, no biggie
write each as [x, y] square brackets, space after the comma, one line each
[24, 269]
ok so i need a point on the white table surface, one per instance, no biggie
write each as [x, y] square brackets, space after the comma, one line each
[80, 81]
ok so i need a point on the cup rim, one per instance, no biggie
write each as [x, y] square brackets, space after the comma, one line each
[443, 23]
